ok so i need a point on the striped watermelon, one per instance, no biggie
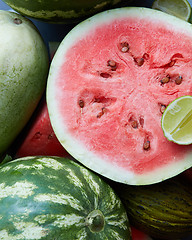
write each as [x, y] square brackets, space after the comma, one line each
[55, 198]
[62, 11]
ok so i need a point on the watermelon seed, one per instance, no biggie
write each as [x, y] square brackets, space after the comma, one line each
[50, 136]
[124, 47]
[139, 61]
[112, 64]
[103, 110]
[105, 75]
[17, 21]
[178, 80]
[165, 79]
[146, 145]
[162, 108]
[37, 135]
[134, 124]
[81, 103]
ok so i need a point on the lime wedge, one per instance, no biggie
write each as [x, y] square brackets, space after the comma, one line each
[178, 8]
[176, 121]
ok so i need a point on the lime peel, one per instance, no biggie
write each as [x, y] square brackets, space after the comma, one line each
[178, 8]
[176, 121]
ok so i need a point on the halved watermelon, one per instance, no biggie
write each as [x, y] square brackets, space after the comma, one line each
[109, 83]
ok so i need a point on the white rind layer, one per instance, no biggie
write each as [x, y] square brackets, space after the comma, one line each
[76, 148]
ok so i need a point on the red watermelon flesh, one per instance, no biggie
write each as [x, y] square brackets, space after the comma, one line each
[138, 235]
[109, 82]
[39, 138]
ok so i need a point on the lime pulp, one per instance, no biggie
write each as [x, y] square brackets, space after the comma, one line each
[176, 121]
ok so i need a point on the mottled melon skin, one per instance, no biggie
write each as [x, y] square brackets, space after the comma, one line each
[24, 68]
[105, 114]
[161, 210]
[55, 198]
[62, 11]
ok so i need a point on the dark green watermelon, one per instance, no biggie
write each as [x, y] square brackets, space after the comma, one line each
[62, 11]
[56, 198]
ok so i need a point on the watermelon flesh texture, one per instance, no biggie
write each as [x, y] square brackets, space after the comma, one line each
[106, 93]
[138, 235]
[39, 138]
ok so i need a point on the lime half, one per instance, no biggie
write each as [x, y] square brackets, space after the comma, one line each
[178, 8]
[176, 121]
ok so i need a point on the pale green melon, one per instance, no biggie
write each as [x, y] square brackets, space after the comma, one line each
[23, 74]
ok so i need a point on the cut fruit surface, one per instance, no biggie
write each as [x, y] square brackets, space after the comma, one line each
[178, 8]
[177, 121]
[39, 138]
[109, 83]
[138, 235]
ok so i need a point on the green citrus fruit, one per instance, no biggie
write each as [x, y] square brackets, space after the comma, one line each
[178, 8]
[176, 121]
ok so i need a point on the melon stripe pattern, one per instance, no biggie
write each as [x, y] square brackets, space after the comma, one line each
[56, 198]
[61, 10]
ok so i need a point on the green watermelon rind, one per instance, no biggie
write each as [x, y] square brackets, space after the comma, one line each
[62, 11]
[24, 63]
[80, 152]
[51, 198]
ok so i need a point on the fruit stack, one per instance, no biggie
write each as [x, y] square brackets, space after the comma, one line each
[96, 130]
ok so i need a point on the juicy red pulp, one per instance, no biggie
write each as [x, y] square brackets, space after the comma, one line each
[114, 85]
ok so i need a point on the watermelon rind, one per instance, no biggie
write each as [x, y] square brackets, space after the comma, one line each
[57, 198]
[75, 147]
[24, 65]
[62, 11]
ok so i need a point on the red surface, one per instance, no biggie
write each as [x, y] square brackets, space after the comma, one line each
[128, 93]
[138, 235]
[40, 138]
